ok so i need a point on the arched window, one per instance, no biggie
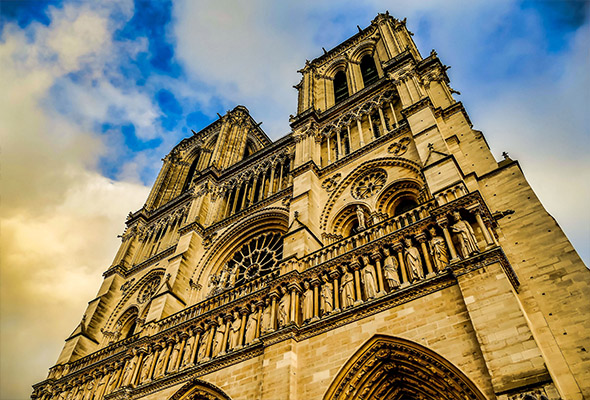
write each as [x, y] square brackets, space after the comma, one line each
[191, 173]
[340, 87]
[406, 204]
[369, 70]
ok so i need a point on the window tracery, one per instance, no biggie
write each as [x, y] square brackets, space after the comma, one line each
[255, 258]
[369, 184]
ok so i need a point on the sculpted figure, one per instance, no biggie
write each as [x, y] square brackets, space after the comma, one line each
[145, 367]
[390, 273]
[266, 322]
[213, 284]
[218, 340]
[101, 385]
[361, 217]
[203, 345]
[129, 369]
[234, 333]
[307, 302]
[188, 351]
[161, 363]
[467, 239]
[251, 325]
[438, 250]
[174, 354]
[89, 391]
[284, 307]
[369, 279]
[112, 385]
[347, 290]
[326, 296]
[224, 277]
[413, 260]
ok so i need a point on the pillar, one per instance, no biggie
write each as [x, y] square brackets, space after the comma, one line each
[421, 237]
[443, 223]
[402, 265]
[360, 128]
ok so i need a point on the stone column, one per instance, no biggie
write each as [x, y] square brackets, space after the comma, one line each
[393, 113]
[483, 228]
[272, 180]
[253, 191]
[421, 237]
[259, 310]
[198, 331]
[244, 195]
[315, 282]
[273, 311]
[382, 118]
[334, 275]
[211, 327]
[339, 156]
[157, 349]
[360, 128]
[349, 137]
[371, 127]
[281, 168]
[227, 321]
[183, 337]
[136, 370]
[295, 306]
[402, 265]
[443, 223]
[376, 256]
[244, 314]
[235, 202]
[356, 266]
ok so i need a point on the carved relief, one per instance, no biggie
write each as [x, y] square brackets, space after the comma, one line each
[400, 147]
[331, 183]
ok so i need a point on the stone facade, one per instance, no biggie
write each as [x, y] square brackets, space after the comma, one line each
[377, 251]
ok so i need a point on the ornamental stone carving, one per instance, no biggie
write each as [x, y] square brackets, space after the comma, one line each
[369, 184]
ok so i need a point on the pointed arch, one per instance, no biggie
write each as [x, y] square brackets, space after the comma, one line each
[392, 368]
[197, 389]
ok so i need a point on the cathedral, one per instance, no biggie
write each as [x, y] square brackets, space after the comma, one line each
[377, 251]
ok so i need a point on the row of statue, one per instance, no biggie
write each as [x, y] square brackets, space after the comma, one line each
[363, 279]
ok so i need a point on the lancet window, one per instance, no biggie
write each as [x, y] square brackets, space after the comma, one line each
[369, 70]
[340, 87]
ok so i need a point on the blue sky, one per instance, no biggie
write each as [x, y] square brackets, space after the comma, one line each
[96, 93]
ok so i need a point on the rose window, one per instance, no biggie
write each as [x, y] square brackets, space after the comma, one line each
[369, 184]
[255, 258]
[148, 290]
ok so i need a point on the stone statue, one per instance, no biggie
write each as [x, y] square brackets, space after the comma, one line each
[174, 354]
[145, 367]
[307, 308]
[284, 307]
[234, 331]
[160, 363]
[390, 273]
[112, 384]
[347, 290]
[129, 369]
[326, 296]
[203, 345]
[188, 350]
[369, 279]
[438, 250]
[413, 260]
[467, 239]
[224, 276]
[251, 325]
[212, 285]
[361, 218]
[88, 392]
[266, 314]
[218, 339]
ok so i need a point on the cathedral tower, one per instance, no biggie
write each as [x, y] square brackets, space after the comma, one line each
[377, 251]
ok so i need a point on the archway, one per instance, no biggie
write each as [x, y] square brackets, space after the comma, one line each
[391, 368]
[197, 389]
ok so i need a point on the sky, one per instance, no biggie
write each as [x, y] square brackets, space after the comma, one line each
[94, 94]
